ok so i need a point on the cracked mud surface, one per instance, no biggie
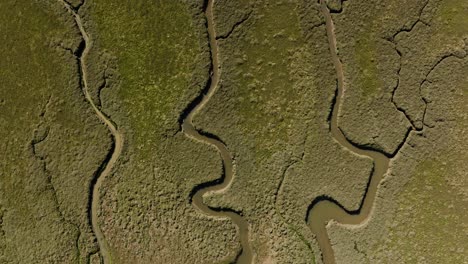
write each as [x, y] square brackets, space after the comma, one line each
[258, 131]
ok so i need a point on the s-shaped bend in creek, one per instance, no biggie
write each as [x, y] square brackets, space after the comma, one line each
[324, 209]
[118, 141]
[245, 256]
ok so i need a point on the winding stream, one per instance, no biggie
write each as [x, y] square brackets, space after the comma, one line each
[320, 212]
[324, 210]
[245, 256]
[118, 140]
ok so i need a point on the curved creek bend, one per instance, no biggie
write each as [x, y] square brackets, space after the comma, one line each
[118, 141]
[320, 212]
[246, 255]
[324, 210]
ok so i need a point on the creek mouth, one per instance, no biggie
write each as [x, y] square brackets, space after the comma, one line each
[245, 256]
[324, 209]
[117, 138]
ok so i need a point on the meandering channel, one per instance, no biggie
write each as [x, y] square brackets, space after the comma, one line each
[325, 209]
[245, 256]
[118, 140]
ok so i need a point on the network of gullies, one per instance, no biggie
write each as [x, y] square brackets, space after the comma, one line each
[249, 131]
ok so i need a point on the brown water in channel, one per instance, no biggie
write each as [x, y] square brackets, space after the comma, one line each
[318, 216]
[117, 137]
[188, 128]
[325, 210]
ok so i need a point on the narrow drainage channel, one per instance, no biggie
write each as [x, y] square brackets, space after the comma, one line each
[118, 140]
[246, 255]
[322, 210]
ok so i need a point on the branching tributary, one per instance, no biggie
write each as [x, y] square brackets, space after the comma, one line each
[190, 131]
[320, 212]
[106, 167]
[324, 209]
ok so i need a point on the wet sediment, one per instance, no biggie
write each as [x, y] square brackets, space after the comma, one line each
[245, 256]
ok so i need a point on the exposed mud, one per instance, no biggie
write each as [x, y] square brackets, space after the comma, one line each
[324, 208]
[196, 196]
[118, 141]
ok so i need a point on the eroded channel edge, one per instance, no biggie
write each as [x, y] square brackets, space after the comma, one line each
[117, 138]
[324, 208]
[245, 256]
